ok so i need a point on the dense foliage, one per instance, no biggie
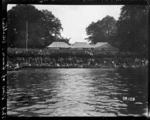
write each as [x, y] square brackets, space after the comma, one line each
[133, 28]
[101, 30]
[42, 27]
[129, 33]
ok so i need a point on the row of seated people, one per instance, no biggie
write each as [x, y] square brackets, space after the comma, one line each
[76, 62]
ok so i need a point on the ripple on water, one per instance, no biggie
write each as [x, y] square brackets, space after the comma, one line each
[75, 92]
[12, 113]
[138, 103]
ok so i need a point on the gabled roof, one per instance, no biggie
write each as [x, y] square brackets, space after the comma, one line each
[106, 46]
[99, 44]
[92, 45]
[81, 45]
[58, 45]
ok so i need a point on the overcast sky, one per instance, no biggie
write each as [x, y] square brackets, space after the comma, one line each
[75, 18]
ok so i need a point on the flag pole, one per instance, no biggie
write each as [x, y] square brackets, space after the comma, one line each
[26, 35]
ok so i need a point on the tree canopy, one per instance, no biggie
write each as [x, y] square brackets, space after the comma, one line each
[42, 27]
[101, 30]
[62, 39]
[133, 28]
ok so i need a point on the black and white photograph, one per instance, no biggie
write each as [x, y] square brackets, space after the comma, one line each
[77, 60]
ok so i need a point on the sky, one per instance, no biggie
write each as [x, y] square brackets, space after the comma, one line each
[76, 18]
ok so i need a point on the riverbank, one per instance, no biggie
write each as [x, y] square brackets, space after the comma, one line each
[87, 67]
[25, 62]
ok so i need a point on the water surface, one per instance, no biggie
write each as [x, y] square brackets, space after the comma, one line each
[77, 92]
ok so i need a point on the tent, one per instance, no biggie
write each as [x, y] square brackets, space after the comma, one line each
[106, 47]
[99, 44]
[57, 45]
[81, 45]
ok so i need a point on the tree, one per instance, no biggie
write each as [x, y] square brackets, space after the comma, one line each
[43, 27]
[133, 28]
[62, 39]
[101, 30]
[51, 27]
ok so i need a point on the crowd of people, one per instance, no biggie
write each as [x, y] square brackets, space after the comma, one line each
[17, 59]
[50, 52]
[73, 62]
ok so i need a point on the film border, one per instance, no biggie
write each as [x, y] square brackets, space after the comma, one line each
[42, 2]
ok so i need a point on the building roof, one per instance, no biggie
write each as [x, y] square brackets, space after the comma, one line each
[92, 45]
[81, 45]
[99, 44]
[106, 46]
[58, 45]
